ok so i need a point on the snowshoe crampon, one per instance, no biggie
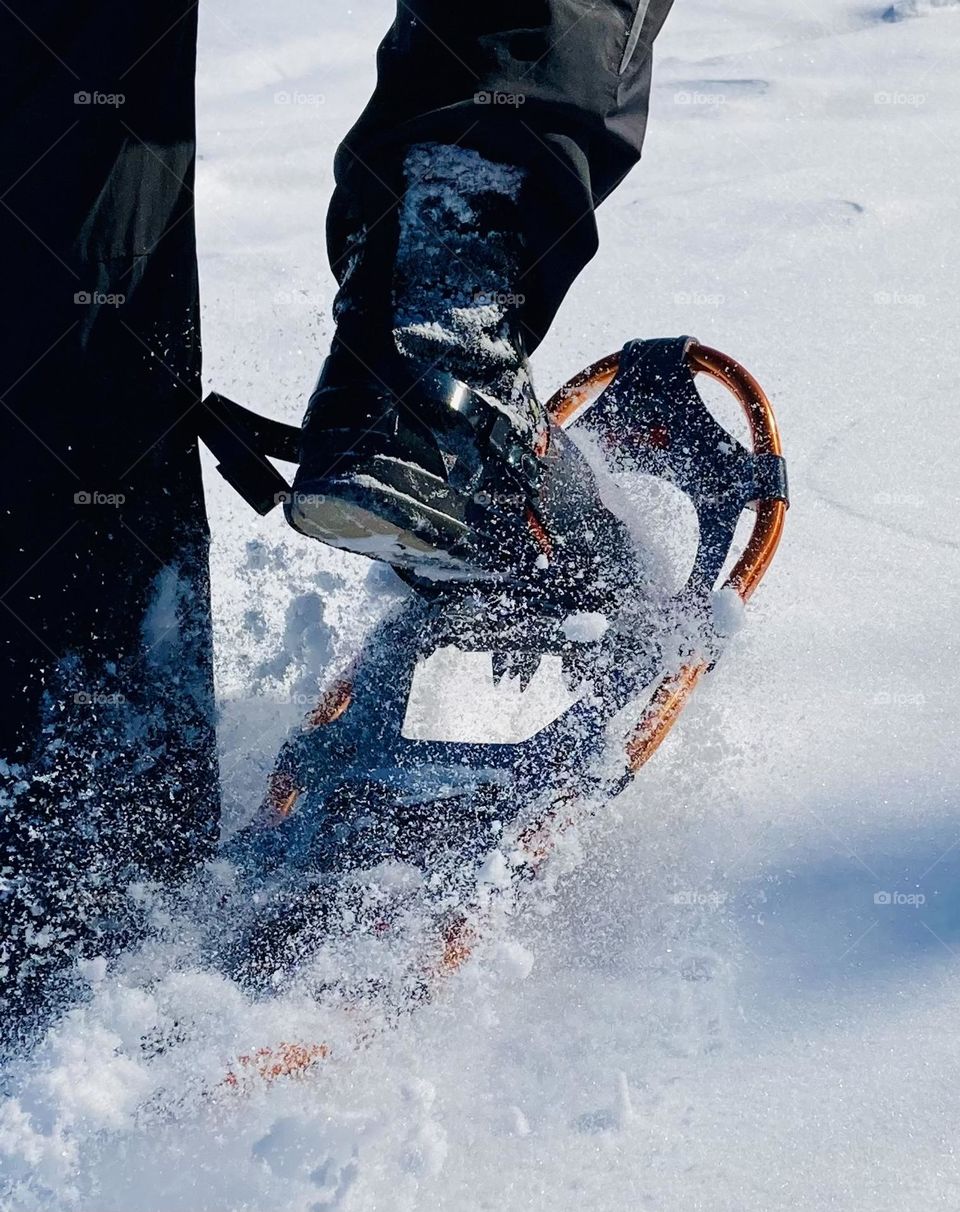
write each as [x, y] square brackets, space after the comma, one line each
[487, 718]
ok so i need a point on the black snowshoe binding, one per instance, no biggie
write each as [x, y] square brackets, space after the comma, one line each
[478, 717]
[450, 490]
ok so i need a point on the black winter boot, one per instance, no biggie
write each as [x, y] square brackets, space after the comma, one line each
[424, 444]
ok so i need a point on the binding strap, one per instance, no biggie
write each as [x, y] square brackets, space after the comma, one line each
[243, 441]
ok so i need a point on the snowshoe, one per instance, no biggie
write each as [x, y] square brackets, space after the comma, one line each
[484, 717]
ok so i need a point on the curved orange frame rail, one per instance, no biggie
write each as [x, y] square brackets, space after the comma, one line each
[671, 696]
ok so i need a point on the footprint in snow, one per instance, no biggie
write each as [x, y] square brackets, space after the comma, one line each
[614, 1118]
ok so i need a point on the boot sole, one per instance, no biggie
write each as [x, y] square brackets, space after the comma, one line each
[361, 514]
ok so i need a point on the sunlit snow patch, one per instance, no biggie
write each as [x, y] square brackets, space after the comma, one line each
[454, 698]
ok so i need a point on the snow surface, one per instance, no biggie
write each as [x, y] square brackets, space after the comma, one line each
[741, 993]
[455, 697]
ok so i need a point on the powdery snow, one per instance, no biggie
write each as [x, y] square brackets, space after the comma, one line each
[585, 626]
[737, 993]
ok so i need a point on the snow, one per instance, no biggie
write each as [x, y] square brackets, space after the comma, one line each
[454, 697]
[729, 996]
[585, 626]
[456, 298]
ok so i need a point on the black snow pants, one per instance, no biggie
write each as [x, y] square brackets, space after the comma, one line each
[560, 87]
[107, 747]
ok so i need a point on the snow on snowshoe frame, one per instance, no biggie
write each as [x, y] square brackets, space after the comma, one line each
[642, 407]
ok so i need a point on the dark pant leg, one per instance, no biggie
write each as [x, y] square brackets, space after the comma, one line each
[105, 646]
[560, 86]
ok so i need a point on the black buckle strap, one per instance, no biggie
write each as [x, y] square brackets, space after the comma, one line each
[770, 478]
[446, 396]
[241, 441]
[653, 390]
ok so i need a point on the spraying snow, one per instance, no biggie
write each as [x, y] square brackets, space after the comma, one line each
[737, 991]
